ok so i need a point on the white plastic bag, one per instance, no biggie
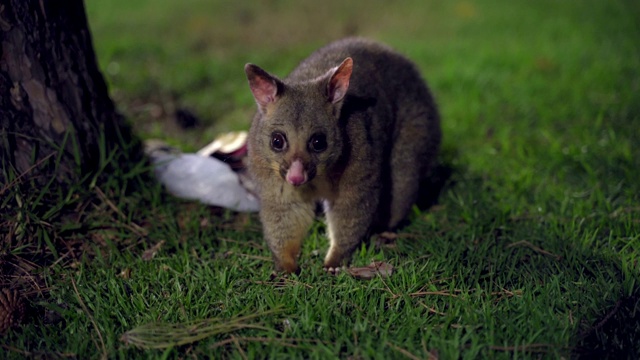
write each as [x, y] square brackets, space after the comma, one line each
[202, 178]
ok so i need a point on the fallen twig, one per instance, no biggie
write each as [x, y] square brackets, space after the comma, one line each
[237, 343]
[19, 177]
[84, 307]
[408, 354]
[534, 248]
[425, 293]
[504, 293]
[431, 310]
[603, 321]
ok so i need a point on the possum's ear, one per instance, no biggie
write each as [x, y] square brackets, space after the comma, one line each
[265, 87]
[339, 81]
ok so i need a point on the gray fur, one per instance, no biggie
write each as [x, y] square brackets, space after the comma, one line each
[382, 139]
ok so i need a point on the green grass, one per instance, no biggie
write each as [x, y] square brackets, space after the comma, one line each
[532, 249]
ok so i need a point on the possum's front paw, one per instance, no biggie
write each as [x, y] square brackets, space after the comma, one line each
[333, 270]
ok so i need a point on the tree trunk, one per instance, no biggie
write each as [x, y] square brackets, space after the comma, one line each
[55, 112]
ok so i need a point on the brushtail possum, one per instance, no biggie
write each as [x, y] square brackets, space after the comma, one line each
[354, 128]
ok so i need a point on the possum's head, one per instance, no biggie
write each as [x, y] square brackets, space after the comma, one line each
[296, 133]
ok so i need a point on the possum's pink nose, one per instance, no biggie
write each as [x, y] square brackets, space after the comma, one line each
[296, 175]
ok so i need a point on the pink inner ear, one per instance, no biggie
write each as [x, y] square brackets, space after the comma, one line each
[339, 83]
[264, 90]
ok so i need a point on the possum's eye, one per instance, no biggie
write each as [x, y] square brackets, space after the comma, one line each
[278, 141]
[318, 143]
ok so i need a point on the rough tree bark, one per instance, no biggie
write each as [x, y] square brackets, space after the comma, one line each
[52, 95]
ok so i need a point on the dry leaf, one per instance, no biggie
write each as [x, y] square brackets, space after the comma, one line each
[150, 253]
[125, 273]
[380, 268]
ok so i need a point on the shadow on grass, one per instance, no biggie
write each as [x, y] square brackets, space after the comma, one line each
[439, 180]
[615, 334]
[432, 188]
[548, 255]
